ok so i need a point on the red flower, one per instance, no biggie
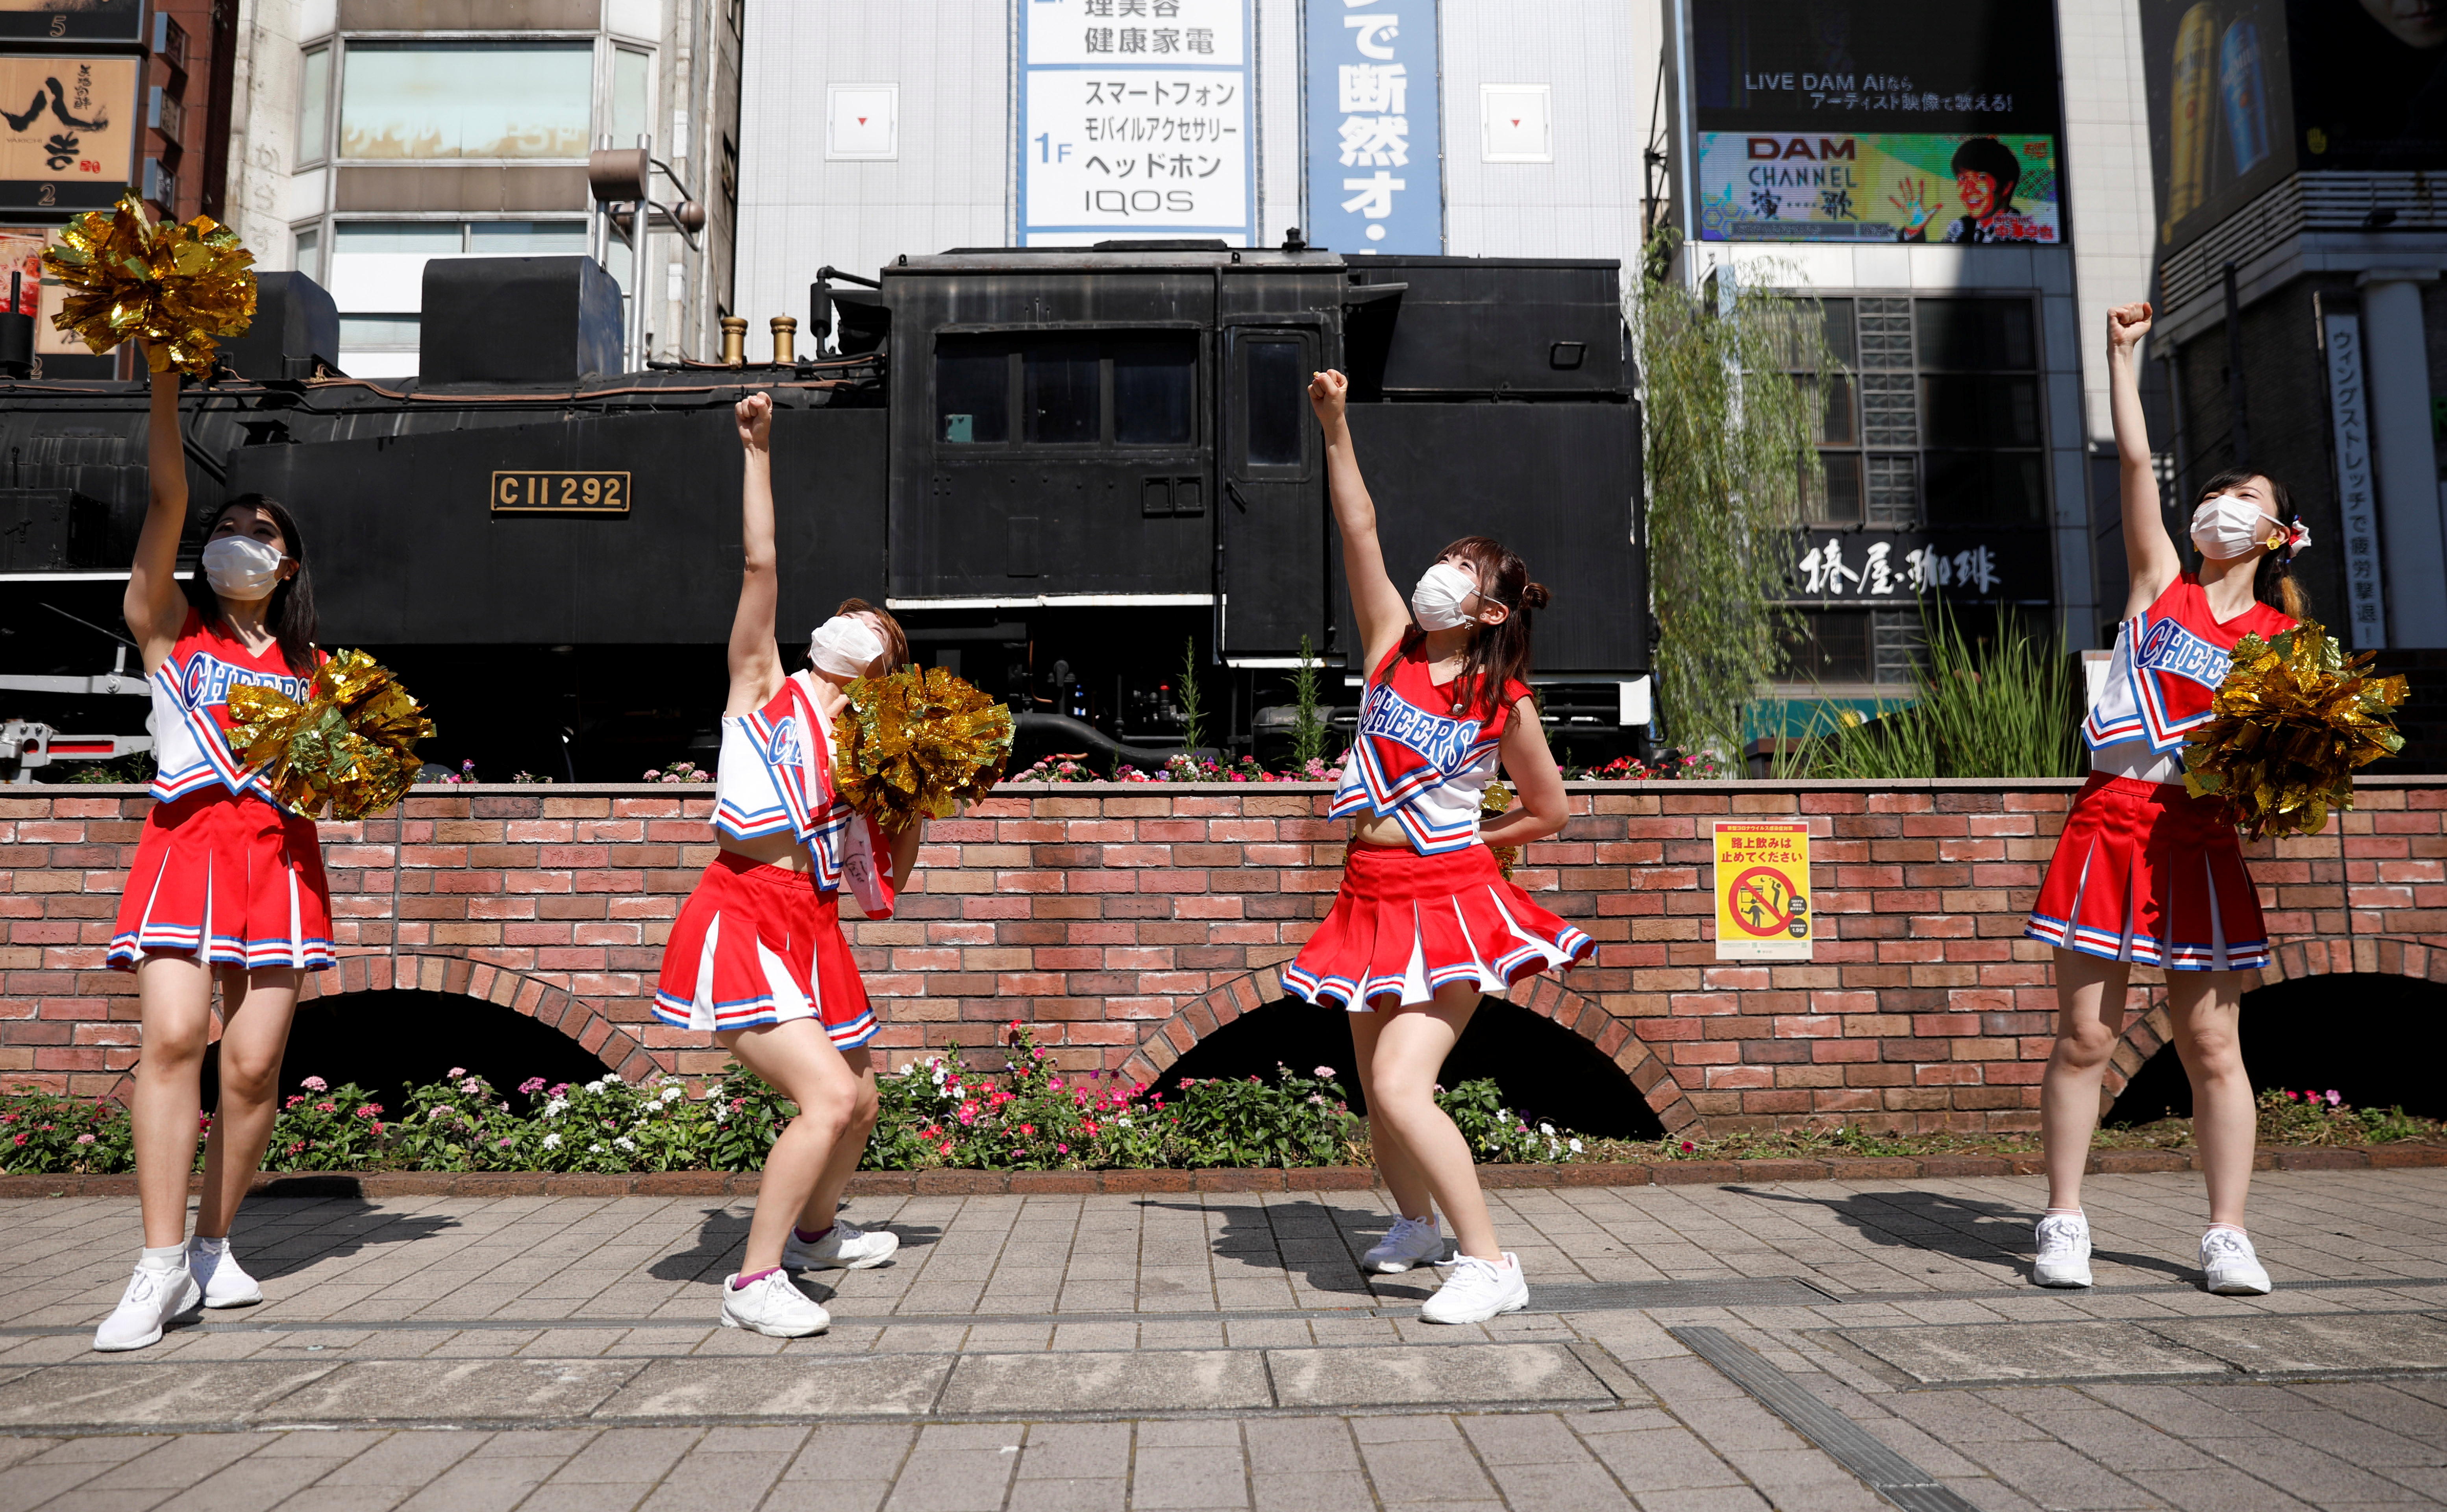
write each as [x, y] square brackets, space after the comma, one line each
[1029, 1129]
[1688, 1146]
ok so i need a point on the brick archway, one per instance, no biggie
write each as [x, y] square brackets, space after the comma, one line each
[1167, 1041]
[2146, 1035]
[552, 1005]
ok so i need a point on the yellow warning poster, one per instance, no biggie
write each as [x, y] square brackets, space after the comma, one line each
[1762, 885]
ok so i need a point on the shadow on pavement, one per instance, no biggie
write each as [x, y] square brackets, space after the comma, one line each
[332, 1227]
[1966, 1228]
[1318, 1240]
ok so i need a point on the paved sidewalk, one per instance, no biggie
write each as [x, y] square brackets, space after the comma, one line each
[1819, 1346]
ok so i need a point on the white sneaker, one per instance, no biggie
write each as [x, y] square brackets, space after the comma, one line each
[771, 1305]
[846, 1248]
[2230, 1266]
[1410, 1241]
[2064, 1250]
[1478, 1290]
[224, 1282]
[154, 1294]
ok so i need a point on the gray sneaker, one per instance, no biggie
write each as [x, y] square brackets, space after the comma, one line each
[1411, 1242]
[2064, 1250]
[2228, 1265]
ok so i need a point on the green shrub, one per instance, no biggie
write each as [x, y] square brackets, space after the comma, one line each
[326, 1129]
[42, 1133]
[2001, 704]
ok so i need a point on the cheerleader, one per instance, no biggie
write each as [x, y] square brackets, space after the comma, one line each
[757, 957]
[2144, 872]
[227, 888]
[1425, 924]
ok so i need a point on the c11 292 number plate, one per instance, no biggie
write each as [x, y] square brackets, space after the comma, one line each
[561, 493]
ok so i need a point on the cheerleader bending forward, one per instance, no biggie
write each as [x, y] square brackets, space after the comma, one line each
[757, 957]
[1425, 924]
[227, 889]
[2144, 871]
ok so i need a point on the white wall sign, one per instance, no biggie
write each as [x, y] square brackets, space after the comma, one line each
[2357, 482]
[1516, 123]
[1135, 121]
[862, 120]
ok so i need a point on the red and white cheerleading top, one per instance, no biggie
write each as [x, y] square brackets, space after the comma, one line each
[191, 717]
[774, 777]
[2169, 661]
[1417, 757]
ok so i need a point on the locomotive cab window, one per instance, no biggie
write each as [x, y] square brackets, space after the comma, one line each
[1082, 391]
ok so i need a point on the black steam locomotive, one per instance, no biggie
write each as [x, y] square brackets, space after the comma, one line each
[1073, 475]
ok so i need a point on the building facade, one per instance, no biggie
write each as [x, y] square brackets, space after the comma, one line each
[369, 136]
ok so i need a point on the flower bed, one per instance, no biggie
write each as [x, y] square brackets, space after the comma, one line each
[1028, 1117]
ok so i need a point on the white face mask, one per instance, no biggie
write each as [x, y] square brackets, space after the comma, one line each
[242, 568]
[844, 646]
[2229, 526]
[1443, 588]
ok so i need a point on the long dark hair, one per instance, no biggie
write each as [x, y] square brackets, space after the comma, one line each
[2273, 581]
[1498, 654]
[291, 613]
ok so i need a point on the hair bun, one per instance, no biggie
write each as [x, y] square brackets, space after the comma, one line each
[1534, 595]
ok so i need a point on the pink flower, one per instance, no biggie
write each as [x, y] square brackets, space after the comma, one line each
[294, 1100]
[501, 1144]
[1029, 1129]
[471, 1087]
[456, 1071]
[1325, 1070]
[531, 1085]
[85, 1139]
[1054, 1086]
[1688, 1146]
[327, 1107]
[2294, 1097]
[1062, 1149]
[378, 1128]
[316, 1084]
[946, 1148]
[21, 1139]
[2333, 1098]
[203, 1120]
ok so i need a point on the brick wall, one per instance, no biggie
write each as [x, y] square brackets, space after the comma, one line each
[1126, 924]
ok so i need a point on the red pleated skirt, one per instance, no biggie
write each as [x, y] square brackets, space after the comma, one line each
[1406, 924]
[230, 879]
[2145, 872]
[757, 945]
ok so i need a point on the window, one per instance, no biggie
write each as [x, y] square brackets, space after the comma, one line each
[309, 253]
[379, 330]
[628, 96]
[1277, 399]
[428, 237]
[437, 100]
[1832, 646]
[1074, 391]
[315, 105]
[1937, 423]
[526, 238]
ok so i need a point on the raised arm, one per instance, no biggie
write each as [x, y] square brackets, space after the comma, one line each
[755, 663]
[155, 606]
[2149, 555]
[1380, 609]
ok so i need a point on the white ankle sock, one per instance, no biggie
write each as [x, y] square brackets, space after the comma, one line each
[218, 1246]
[168, 1259]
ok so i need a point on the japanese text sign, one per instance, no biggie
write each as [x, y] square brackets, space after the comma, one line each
[1136, 121]
[1891, 567]
[2356, 487]
[66, 129]
[1376, 144]
[1762, 884]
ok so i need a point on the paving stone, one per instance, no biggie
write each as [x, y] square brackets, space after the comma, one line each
[136, 1394]
[798, 1387]
[1184, 1380]
[2010, 1352]
[446, 1391]
[2386, 1341]
[1457, 1373]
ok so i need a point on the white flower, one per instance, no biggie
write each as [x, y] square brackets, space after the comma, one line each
[1575, 1146]
[556, 1107]
[672, 1094]
[594, 1085]
[1325, 1072]
[595, 1149]
[552, 1141]
[721, 1112]
[625, 1143]
[1548, 1129]
[1122, 1123]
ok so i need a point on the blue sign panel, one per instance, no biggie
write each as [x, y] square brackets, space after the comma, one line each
[1375, 144]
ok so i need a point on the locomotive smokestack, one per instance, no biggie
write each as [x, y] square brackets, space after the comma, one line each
[735, 341]
[786, 334]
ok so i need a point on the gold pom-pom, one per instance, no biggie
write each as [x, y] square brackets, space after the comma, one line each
[1495, 800]
[918, 742]
[351, 744]
[175, 286]
[2293, 719]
